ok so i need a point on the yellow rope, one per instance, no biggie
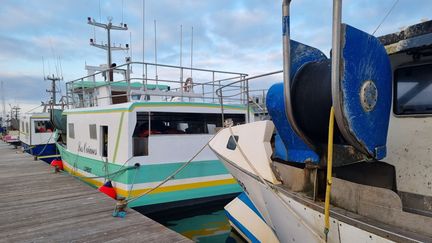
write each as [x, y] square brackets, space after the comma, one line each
[329, 173]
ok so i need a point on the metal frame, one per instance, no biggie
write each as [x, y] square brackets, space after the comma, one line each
[207, 87]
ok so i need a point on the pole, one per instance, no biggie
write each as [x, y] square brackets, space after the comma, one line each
[287, 72]
[335, 76]
[109, 49]
[191, 60]
[155, 46]
[143, 42]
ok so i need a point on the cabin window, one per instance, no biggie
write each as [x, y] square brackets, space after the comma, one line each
[92, 130]
[164, 123]
[140, 135]
[71, 130]
[413, 90]
[189, 123]
[104, 140]
[42, 126]
[27, 127]
[232, 145]
[22, 126]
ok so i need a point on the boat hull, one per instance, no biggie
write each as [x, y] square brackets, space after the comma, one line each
[245, 218]
[44, 152]
[294, 220]
[201, 181]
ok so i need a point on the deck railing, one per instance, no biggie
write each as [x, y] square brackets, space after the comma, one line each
[167, 82]
[258, 107]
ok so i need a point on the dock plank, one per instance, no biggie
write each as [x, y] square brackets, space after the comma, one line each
[38, 205]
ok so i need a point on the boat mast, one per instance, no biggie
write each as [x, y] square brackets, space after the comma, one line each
[53, 89]
[108, 27]
[3, 103]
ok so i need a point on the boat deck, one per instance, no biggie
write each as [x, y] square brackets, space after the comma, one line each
[38, 205]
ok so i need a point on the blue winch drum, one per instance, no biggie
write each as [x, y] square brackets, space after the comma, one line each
[364, 96]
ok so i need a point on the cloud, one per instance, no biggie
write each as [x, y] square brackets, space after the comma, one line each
[242, 35]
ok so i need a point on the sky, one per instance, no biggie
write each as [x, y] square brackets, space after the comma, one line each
[40, 37]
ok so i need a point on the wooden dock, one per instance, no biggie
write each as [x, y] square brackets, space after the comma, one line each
[40, 206]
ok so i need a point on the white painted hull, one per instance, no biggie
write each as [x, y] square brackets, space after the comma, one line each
[288, 227]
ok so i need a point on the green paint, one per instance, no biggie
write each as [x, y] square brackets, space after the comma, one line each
[157, 172]
[147, 173]
[118, 136]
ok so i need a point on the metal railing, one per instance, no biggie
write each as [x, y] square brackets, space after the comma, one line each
[260, 107]
[157, 80]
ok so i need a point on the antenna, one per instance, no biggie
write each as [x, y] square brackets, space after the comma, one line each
[108, 27]
[100, 20]
[181, 58]
[181, 44]
[122, 12]
[3, 101]
[143, 41]
[155, 46]
[130, 41]
[61, 68]
[43, 66]
[191, 59]
[53, 89]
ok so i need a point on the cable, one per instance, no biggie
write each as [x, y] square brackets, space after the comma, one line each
[170, 176]
[385, 17]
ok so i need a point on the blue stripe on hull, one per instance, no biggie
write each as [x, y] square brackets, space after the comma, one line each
[42, 150]
[243, 229]
[245, 199]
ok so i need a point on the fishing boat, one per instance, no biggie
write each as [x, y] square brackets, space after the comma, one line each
[37, 136]
[346, 156]
[11, 130]
[246, 220]
[132, 132]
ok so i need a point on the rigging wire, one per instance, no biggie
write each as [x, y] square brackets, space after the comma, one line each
[122, 12]
[385, 17]
[100, 11]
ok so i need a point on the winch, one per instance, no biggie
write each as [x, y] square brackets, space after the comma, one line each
[361, 99]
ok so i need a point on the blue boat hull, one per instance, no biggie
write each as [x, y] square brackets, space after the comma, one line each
[44, 152]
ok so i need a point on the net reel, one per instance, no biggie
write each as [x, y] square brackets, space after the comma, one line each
[361, 98]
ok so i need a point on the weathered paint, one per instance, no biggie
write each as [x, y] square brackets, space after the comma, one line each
[364, 58]
[298, 151]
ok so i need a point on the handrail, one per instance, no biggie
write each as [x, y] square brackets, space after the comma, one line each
[159, 65]
[83, 91]
[219, 90]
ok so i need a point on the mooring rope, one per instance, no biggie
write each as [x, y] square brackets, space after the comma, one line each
[171, 176]
[133, 183]
[116, 173]
[106, 175]
[46, 145]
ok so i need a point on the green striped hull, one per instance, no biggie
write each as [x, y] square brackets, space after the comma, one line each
[199, 180]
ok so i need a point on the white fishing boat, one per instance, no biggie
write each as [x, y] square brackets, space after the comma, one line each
[347, 155]
[132, 132]
[37, 136]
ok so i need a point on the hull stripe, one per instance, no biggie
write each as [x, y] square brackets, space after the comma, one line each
[118, 136]
[162, 189]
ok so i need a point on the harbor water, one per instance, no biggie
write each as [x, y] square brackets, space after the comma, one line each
[200, 223]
